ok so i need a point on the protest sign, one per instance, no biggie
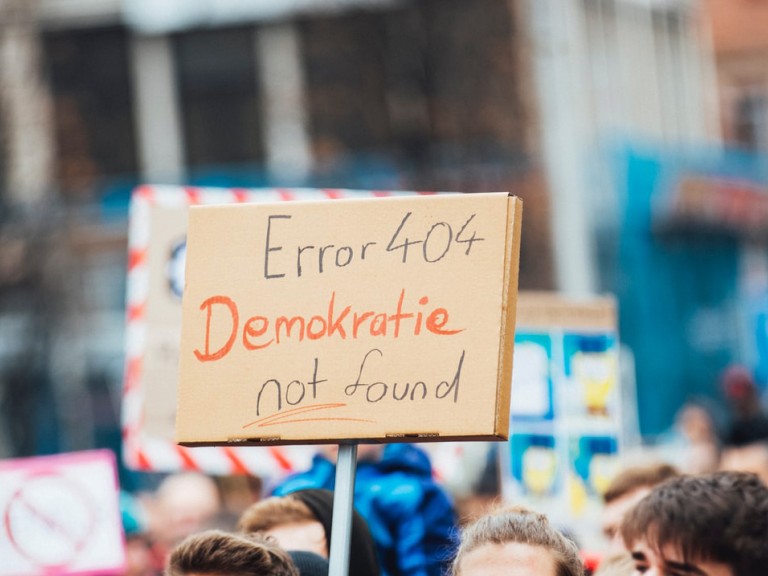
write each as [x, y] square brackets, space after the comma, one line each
[386, 319]
[61, 515]
[566, 412]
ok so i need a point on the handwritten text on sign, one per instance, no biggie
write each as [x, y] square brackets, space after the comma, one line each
[347, 319]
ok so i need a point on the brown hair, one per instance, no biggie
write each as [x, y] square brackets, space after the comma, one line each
[720, 517]
[216, 552]
[638, 477]
[274, 511]
[523, 526]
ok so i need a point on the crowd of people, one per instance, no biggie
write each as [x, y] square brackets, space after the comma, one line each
[698, 506]
[404, 521]
[656, 521]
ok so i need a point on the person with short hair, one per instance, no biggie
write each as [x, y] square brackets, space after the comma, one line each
[287, 520]
[709, 525]
[749, 421]
[217, 553]
[184, 503]
[625, 490]
[302, 520]
[515, 541]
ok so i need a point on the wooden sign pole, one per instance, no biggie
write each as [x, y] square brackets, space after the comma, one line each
[343, 505]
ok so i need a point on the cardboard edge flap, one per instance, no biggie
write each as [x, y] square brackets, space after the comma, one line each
[409, 435]
[508, 315]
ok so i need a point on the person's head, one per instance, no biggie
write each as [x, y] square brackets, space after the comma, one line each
[740, 390]
[708, 525]
[287, 520]
[302, 520]
[515, 542]
[749, 458]
[185, 503]
[625, 490]
[696, 423]
[216, 553]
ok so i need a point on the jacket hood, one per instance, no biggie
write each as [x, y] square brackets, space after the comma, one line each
[406, 458]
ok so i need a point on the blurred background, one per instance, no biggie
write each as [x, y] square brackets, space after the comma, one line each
[636, 132]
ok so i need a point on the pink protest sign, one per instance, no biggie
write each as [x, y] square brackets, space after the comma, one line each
[60, 515]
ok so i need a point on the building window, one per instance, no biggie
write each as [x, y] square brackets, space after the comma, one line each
[750, 125]
[3, 160]
[433, 84]
[346, 88]
[94, 126]
[219, 97]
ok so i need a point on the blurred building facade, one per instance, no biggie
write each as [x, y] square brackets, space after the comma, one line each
[477, 95]
[628, 94]
[609, 71]
[691, 265]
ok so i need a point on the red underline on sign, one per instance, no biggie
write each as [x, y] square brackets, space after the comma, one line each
[316, 420]
[289, 416]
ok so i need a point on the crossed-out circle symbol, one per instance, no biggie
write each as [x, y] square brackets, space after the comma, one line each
[49, 520]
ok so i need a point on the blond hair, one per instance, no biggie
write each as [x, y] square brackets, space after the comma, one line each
[274, 511]
[522, 526]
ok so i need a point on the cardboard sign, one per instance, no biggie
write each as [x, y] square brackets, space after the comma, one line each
[61, 515]
[566, 419]
[380, 319]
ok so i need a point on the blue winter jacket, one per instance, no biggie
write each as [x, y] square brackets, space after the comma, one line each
[410, 516]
